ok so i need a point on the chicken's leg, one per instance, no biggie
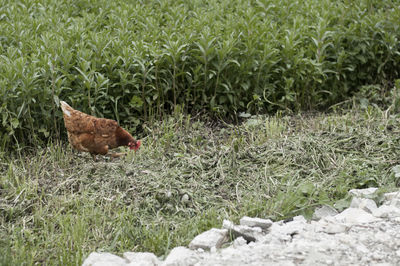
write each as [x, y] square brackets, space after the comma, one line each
[117, 154]
[94, 157]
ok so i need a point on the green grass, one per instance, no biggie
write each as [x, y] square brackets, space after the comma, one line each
[143, 61]
[56, 206]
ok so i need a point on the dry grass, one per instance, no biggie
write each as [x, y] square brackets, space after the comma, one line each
[56, 206]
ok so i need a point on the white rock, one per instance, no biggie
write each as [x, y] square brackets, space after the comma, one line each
[329, 262]
[326, 244]
[393, 202]
[227, 224]
[391, 195]
[141, 259]
[248, 233]
[299, 218]
[274, 238]
[377, 256]
[362, 192]
[213, 249]
[331, 227]
[387, 211]
[367, 205]
[181, 256]
[355, 216]
[383, 237]
[287, 229]
[361, 248]
[251, 244]
[211, 238]
[104, 259]
[256, 222]
[185, 198]
[324, 211]
[240, 241]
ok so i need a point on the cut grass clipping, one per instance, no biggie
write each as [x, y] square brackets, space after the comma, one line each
[56, 206]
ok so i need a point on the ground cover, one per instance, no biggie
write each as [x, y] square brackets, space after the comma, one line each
[190, 173]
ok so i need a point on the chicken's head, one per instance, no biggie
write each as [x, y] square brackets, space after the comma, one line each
[134, 145]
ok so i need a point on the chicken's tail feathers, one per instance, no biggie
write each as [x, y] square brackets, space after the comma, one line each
[66, 108]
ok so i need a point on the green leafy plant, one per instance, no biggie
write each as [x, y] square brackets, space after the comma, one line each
[255, 57]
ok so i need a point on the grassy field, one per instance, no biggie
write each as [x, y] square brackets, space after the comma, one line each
[163, 71]
[56, 206]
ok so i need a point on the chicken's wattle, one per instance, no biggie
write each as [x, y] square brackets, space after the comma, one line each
[135, 146]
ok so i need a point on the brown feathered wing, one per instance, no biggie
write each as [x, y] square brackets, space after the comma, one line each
[89, 133]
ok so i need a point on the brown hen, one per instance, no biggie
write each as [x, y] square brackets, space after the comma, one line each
[95, 135]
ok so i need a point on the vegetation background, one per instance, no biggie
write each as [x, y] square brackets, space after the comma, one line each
[172, 72]
[139, 60]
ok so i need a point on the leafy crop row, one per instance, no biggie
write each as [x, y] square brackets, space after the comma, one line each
[136, 60]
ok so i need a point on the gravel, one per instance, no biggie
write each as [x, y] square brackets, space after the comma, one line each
[360, 235]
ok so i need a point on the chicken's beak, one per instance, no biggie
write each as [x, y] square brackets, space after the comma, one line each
[135, 145]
